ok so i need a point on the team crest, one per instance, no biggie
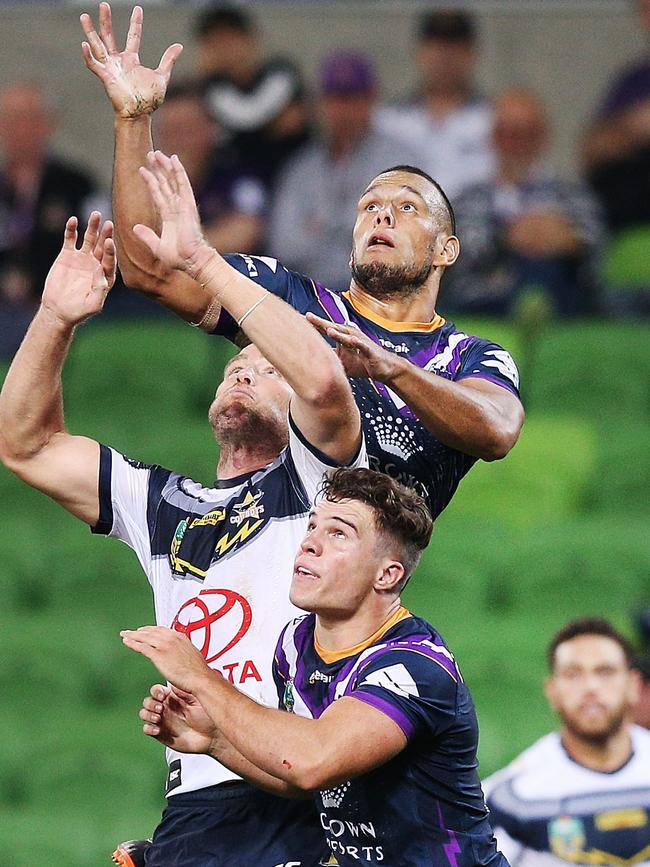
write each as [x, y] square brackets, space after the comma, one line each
[567, 837]
[288, 699]
[249, 508]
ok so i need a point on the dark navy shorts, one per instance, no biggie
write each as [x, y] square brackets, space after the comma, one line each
[235, 825]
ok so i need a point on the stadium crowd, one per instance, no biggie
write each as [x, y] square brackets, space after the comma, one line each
[375, 720]
[277, 166]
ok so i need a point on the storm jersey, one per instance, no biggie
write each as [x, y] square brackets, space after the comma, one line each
[549, 811]
[425, 807]
[397, 442]
[220, 562]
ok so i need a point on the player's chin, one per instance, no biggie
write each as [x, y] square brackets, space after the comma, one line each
[302, 593]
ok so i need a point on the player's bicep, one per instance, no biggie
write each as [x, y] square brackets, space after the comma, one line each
[357, 738]
[67, 469]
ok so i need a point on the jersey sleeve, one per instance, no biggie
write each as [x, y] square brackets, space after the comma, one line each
[129, 493]
[483, 360]
[414, 690]
[311, 464]
[294, 288]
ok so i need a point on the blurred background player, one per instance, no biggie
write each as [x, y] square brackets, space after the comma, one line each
[379, 725]
[260, 103]
[433, 399]
[281, 420]
[316, 197]
[580, 795]
[526, 227]
[447, 120]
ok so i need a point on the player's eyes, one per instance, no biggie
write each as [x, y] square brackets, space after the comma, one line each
[408, 206]
[372, 206]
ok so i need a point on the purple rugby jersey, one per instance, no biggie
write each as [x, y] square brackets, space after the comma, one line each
[425, 807]
[397, 442]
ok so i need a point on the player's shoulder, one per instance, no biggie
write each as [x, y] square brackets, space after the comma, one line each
[414, 645]
[547, 752]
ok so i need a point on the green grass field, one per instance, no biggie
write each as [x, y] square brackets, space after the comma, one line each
[558, 529]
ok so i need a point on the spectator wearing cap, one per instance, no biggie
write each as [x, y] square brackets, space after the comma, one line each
[447, 119]
[316, 199]
[258, 103]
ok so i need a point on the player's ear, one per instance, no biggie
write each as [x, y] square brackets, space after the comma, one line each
[550, 691]
[389, 579]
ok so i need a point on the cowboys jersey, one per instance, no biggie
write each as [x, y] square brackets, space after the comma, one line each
[220, 562]
[549, 811]
[425, 807]
[397, 442]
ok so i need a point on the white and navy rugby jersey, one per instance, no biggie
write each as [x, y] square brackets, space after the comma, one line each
[397, 442]
[547, 810]
[425, 807]
[220, 562]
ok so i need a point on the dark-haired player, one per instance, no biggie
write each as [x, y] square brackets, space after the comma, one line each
[380, 726]
[433, 399]
[581, 794]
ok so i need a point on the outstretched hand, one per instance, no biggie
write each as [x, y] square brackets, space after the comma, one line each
[79, 280]
[180, 244]
[133, 89]
[172, 653]
[361, 357]
[177, 720]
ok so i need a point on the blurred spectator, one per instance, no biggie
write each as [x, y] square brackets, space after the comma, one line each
[527, 227]
[317, 195]
[617, 162]
[231, 198]
[447, 119]
[259, 103]
[38, 192]
[580, 795]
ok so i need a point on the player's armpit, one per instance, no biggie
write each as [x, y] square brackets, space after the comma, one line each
[66, 468]
[353, 738]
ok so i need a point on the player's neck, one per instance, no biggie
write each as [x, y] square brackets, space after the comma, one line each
[420, 307]
[335, 635]
[606, 757]
[238, 460]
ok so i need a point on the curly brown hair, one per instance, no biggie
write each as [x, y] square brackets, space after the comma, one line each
[398, 511]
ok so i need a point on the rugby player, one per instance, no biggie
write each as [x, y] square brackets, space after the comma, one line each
[219, 557]
[432, 398]
[376, 721]
[581, 794]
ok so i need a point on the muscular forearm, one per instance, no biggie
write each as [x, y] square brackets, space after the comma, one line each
[133, 204]
[281, 334]
[279, 744]
[31, 403]
[225, 753]
[464, 418]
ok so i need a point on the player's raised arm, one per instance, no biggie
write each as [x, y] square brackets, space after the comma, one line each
[323, 406]
[135, 92]
[34, 443]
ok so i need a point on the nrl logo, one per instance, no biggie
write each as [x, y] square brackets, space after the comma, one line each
[249, 508]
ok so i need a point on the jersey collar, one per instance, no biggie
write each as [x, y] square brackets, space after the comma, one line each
[330, 656]
[389, 324]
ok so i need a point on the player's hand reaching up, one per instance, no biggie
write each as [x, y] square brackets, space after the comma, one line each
[180, 244]
[177, 719]
[133, 89]
[361, 357]
[79, 280]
